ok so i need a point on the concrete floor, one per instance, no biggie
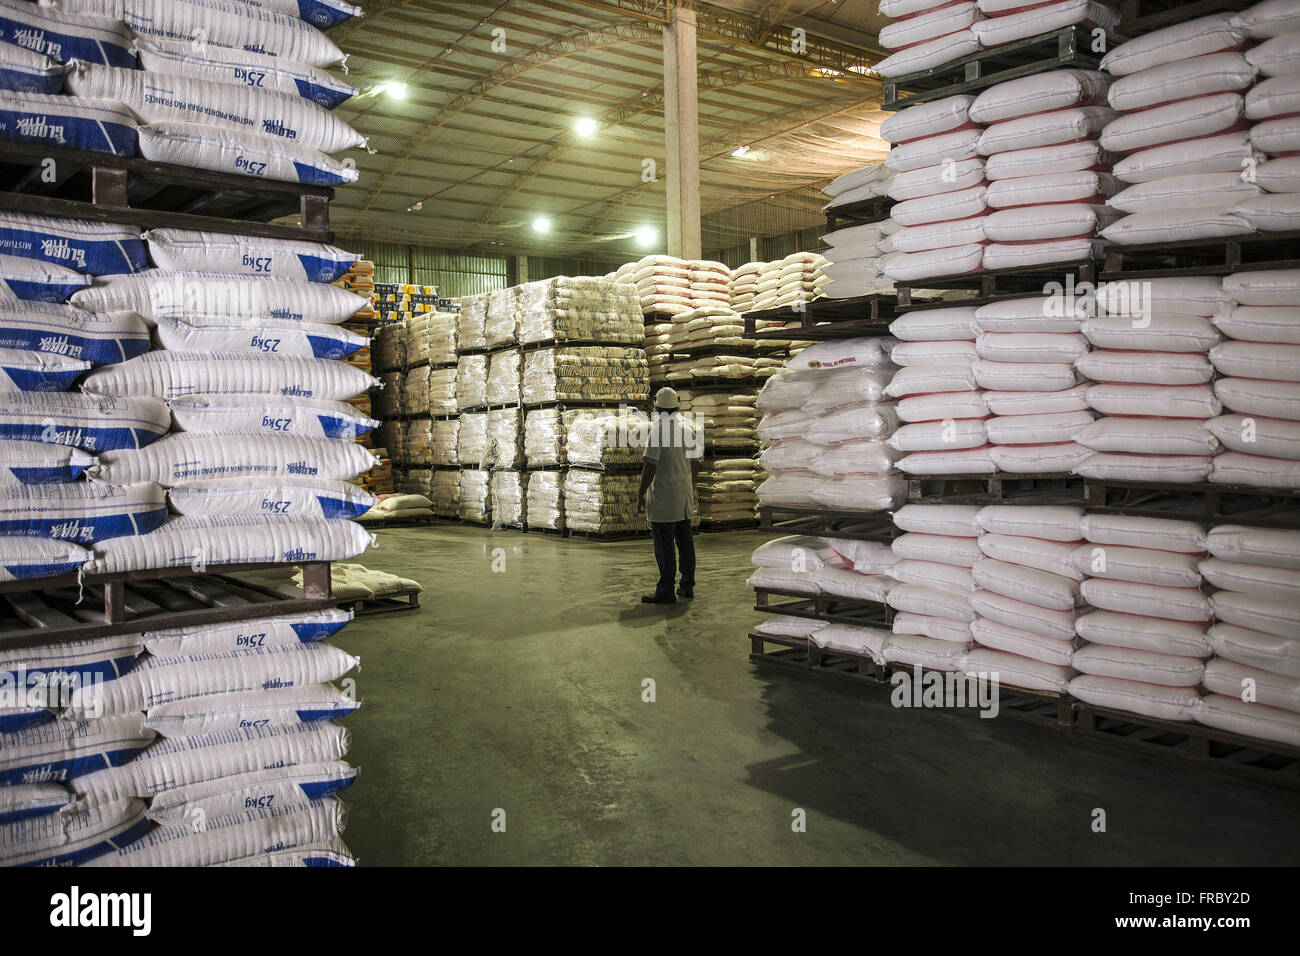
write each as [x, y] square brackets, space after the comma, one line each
[521, 690]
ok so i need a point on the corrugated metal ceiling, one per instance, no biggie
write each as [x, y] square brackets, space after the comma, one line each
[484, 141]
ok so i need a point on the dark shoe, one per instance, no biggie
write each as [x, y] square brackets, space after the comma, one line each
[687, 593]
[658, 599]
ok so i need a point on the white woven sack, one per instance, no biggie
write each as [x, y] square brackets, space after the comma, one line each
[935, 602]
[1192, 295]
[1139, 565]
[847, 583]
[162, 98]
[1013, 640]
[1281, 175]
[257, 337]
[1013, 670]
[1272, 362]
[281, 707]
[931, 53]
[843, 353]
[1266, 287]
[28, 71]
[32, 281]
[40, 463]
[957, 260]
[952, 434]
[1031, 347]
[1041, 93]
[1055, 557]
[221, 23]
[22, 370]
[171, 375]
[1186, 79]
[1148, 436]
[933, 574]
[100, 338]
[1278, 56]
[1258, 579]
[1014, 255]
[64, 35]
[1173, 469]
[940, 235]
[917, 122]
[958, 550]
[80, 511]
[1045, 160]
[282, 495]
[867, 642]
[1179, 42]
[240, 539]
[941, 208]
[934, 180]
[89, 422]
[23, 559]
[1042, 18]
[1053, 428]
[1168, 401]
[1270, 652]
[937, 628]
[911, 354]
[1249, 720]
[191, 250]
[1030, 585]
[1256, 613]
[74, 836]
[1087, 186]
[970, 461]
[65, 749]
[1261, 546]
[1186, 119]
[1038, 459]
[1224, 153]
[188, 294]
[946, 405]
[924, 652]
[1011, 404]
[263, 414]
[1044, 622]
[1023, 376]
[1127, 597]
[1038, 314]
[275, 631]
[1045, 129]
[1161, 534]
[69, 122]
[1052, 523]
[945, 149]
[86, 246]
[233, 837]
[256, 70]
[1148, 667]
[859, 493]
[1164, 332]
[1227, 189]
[1280, 213]
[258, 788]
[1176, 225]
[1152, 368]
[1143, 633]
[931, 25]
[1148, 700]
[958, 521]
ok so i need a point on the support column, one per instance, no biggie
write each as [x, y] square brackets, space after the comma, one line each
[753, 249]
[521, 269]
[682, 134]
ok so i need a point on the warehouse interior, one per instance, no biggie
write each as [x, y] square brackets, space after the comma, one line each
[341, 524]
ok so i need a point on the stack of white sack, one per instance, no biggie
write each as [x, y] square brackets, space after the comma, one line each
[1189, 159]
[504, 438]
[397, 505]
[601, 502]
[508, 490]
[545, 500]
[727, 489]
[743, 287]
[1028, 596]
[504, 377]
[586, 373]
[827, 417]
[442, 392]
[1146, 633]
[938, 395]
[444, 492]
[939, 185]
[429, 337]
[659, 349]
[474, 503]
[245, 742]
[444, 442]
[471, 322]
[607, 437]
[727, 420]
[926, 34]
[1153, 381]
[417, 443]
[1047, 173]
[281, 129]
[859, 185]
[415, 392]
[1027, 353]
[790, 283]
[501, 318]
[472, 446]
[387, 403]
[1259, 383]
[388, 348]
[933, 599]
[838, 567]
[710, 284]
[856, 259]
[716, 325]
[663, 284]
[471, 381]
[1254, 678]
[580, 309]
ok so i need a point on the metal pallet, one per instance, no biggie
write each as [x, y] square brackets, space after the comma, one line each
[859, 525]
[1205, 502]
[1196, 257]
[821, 319]
[1043, 489]
[991, 285]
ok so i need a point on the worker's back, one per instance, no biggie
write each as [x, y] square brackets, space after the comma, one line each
[672, 443]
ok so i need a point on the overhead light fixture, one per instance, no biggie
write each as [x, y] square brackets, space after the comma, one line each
[585, 126]
[645, 237]
[859, 68]
[541, 224]
[740, 151]
[415, 208]
[394, 88]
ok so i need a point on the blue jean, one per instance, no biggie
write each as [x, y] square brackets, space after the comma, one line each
[670, 538]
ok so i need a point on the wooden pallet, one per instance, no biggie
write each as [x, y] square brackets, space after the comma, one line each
[732, 524]
[824, 607]
[408, 599]
[415, 522]
[1054, 489]
[608, 535]
[822, 319]
[558, 532]
[57, 609]
[554, 343]
[991, 285]
[1143, 16]
[127, 189]
[1063, 48]
[1205, 746]
[1205, 502]
[1195, 257]
[875, 209]
[857, 525]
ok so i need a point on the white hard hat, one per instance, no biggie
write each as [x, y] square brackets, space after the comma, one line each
[666, 398]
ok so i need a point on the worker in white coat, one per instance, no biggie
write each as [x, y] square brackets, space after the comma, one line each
[667, 495]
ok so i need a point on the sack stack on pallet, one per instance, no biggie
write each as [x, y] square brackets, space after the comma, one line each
[826, 418]
[217, 746]
[858, 253]
[671, 286]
